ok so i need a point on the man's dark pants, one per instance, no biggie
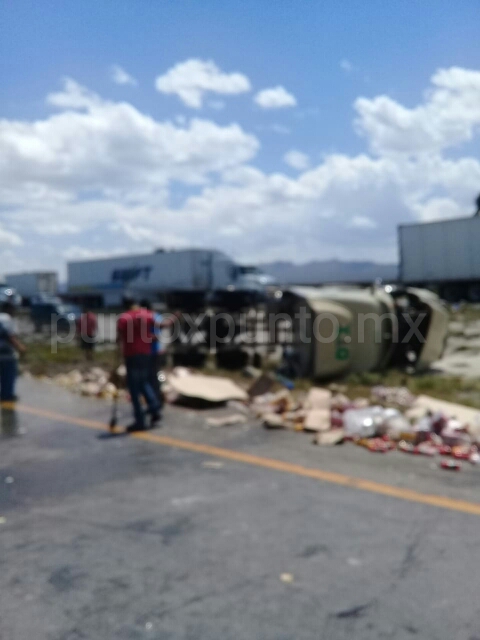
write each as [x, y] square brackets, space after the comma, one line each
[157, 363]
[138, 383]
[8, 376]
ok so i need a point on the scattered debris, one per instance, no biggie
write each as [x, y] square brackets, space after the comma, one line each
[227, 421]
[251, 372]
[420, 426]
[3, 520]
[9, 480]
[318, 410]
[399, 396]
[340, 402]
[450, 465]
[279, 410]
[475, 458]
[393, 419]
[286, 577]
[261, 385]
[363, 423]
[424, 404]
[317, 420]
[338, 388]
[240, 407]
[93, 383]
[274, 421]
[206, 388]
[279, 402]
[330, 438]
[318, 398]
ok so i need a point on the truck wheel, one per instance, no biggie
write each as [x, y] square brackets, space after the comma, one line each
[451, 293]
[257, 360]
[474, 292]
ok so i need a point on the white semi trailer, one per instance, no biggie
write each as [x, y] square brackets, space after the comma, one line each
[191, 273]
[34, 283]
[443, 256]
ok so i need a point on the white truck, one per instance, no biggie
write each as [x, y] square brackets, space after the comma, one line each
[443, 256]
[189, 275]
[35, 283]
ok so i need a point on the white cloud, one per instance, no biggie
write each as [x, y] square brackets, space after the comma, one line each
[84, 253]
[73, 96]
[449, 115]
[346, 65]
[275, 98]
[439, 209]
[81, 253]
[112, 173]
[112, 148]
[277, 217]
[8, 238]
[362, 222]
[120, 76]
[297, 160]
[148, 237]
[57, 229]
[192, 79]
[11, 262]
[232, 231]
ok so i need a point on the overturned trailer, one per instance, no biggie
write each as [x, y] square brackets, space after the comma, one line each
[337, 330]
[325, 332]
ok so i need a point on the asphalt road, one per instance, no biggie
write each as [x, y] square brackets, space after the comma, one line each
[122, 538]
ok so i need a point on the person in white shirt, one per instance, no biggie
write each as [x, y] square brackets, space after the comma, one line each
[10, 346]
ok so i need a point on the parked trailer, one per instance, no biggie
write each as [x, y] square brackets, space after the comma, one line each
[443, 256]
[184, 275]
[30, 284]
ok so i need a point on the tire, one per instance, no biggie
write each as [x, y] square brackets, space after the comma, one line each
[474, 292]
[451, 293]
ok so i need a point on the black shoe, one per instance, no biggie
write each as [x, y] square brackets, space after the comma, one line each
[132, 428]
[155, 418]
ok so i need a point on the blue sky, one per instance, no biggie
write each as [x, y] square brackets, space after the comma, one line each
[362, 170]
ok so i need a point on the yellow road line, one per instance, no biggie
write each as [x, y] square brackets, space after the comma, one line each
[443, 502]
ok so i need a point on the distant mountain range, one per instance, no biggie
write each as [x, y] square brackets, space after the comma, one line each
[318, 272]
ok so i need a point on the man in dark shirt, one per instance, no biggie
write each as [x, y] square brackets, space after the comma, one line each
[87, 327]
[135, 334]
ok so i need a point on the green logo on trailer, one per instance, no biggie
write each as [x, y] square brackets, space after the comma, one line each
[342, 351]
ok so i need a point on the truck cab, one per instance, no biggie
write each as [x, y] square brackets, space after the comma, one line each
[250, 277]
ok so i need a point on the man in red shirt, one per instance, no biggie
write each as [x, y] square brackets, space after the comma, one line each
[135, 333]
